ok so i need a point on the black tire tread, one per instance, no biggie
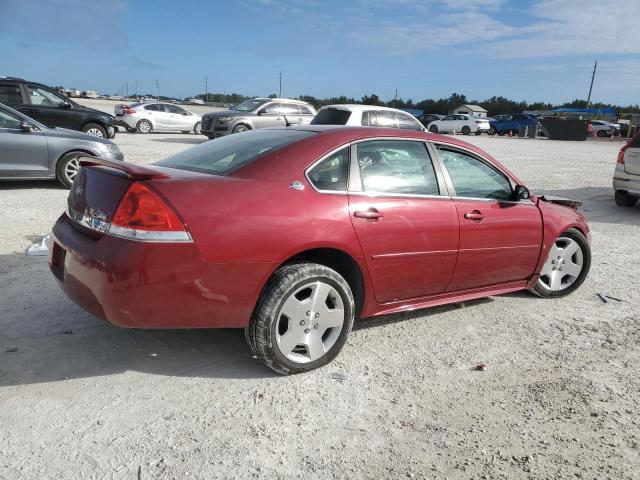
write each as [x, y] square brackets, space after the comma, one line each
[258, 332]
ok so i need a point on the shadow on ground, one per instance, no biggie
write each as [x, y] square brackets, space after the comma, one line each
[31, 184]
[187, 141]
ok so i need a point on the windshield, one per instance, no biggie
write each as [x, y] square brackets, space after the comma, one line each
[249, 105]
[331, 116]
[227, 154]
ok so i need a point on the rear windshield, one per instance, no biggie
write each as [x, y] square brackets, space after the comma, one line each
[225, 155]
[331, 116]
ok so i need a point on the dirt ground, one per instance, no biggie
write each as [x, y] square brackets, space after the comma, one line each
[559, 399]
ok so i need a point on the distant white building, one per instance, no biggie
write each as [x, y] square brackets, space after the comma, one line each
[472, 110]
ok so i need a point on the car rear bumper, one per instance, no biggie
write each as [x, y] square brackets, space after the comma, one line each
[152, 285]
[626, 181]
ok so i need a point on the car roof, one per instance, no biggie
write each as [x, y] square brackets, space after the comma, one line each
[354, 107]
[277, 99]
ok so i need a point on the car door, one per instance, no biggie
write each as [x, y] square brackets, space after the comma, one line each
[179, 118]
[500, 239]
[270, 116]
[446, 125]
[406, 224]
[306, 114]
[156, 114]
[48, 107]
[23, 153]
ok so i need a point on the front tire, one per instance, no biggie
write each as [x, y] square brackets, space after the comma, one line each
[197, 128]
[68, 167]
[240, 128]
[433, 129]
[566, 267]
[624, 199]
[466, 130]
[492, 131]
[302, 319]
[95, 130]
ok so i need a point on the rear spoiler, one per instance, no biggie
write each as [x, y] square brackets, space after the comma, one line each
[567, 202]
[134, 172]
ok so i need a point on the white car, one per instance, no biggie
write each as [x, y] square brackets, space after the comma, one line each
[602, 128]
[156, 116]
[459, 123]
[366, 115]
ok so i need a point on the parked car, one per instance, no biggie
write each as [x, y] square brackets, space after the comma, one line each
[30, 150]
[460, 123]
[511, 123]
[291, 233]
[257, 113]
[54, 109]
[157, 116]
[602, 128]
[427, 118]
[366, 115]
[626, 178]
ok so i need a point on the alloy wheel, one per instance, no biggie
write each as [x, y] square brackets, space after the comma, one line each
[563, 266]
[96, 132]
[71, 169]
[309, 322]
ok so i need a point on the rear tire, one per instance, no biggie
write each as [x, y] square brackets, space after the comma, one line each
[624, 199]
[433, 129]
[67, 168]
[492, 131]
[95, 130]
[570, 252]
[288, 338]
[144, 126]
[601, 133]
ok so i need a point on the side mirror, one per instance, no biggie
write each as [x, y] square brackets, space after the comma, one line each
[522, 193]
[260, 112]
[26, 127]
[65, 105]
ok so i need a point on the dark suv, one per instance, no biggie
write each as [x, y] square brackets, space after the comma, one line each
[54, 109]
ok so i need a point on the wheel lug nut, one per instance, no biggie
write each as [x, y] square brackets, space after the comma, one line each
[315, 326]
[317, 315]
[306, 330]
[563, 261]
[560, 269]
[553, 262]
[553, 268]
[301, 322]
[308, 313]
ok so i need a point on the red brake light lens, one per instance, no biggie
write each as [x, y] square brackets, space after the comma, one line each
[144, 215]
[128, 111]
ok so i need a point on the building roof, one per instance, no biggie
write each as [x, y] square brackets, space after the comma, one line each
[473, 108]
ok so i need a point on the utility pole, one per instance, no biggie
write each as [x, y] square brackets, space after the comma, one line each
[395, 98]
[206, 88]
[593, 75]
[157, 91]
[280, 80]
[127, 94]
[136, 89]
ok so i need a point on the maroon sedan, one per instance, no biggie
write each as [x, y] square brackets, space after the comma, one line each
[291, 233]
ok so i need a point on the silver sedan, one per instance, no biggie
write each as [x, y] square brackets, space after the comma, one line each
[29, 150]
[156, 116]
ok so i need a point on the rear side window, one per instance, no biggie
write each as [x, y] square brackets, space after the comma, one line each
[155, 107]
[396, 167]
[290, 109]
[472, 178]
[304, 110]
[331, 116]
[332, 172]
[384, 118]
[229, 153]
[10, 93]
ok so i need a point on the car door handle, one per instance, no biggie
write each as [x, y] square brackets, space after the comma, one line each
[370, 214]
[475, 215]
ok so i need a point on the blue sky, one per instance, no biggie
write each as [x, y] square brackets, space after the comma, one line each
[524, 50]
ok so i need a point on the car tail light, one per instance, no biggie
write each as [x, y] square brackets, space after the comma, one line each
[621, 153]
[128, 111]
[144, 215]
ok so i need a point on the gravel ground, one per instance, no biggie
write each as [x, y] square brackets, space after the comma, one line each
[559, 398]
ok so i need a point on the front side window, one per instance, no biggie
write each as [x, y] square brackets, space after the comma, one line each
[396, 167]
[7, 120]
[384, 118]
[332, 172]
[42, 97]
[473, 178]
[10, 94]
[229, 153]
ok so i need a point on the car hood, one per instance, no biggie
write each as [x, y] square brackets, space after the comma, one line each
[228, 113]
[82, 108]
[72, 134]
